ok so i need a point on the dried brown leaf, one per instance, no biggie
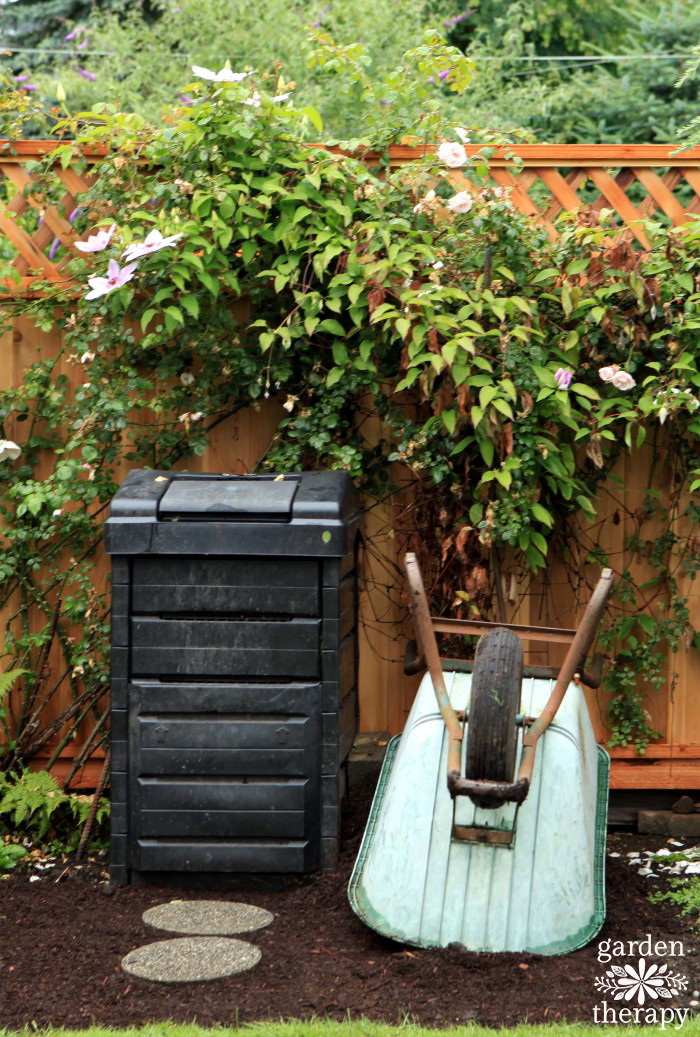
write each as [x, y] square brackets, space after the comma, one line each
[594, 452]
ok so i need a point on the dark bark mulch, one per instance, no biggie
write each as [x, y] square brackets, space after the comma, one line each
[61, 944]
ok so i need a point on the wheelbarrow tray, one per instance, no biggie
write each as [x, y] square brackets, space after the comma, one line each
[543, 893]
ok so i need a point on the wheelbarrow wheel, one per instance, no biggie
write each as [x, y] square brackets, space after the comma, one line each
[492, 736]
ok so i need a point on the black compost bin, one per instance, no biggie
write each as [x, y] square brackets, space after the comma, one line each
[234, 670]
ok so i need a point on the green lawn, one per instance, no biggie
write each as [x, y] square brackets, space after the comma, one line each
[319, 1028]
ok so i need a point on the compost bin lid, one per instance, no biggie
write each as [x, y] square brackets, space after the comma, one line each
[262, 499]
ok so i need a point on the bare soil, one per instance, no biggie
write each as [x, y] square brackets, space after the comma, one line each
[61, 943]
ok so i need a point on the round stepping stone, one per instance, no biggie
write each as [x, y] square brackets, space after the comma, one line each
[191, 959]
[207, 917]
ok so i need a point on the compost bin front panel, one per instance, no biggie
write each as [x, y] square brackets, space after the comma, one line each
[256, 586]
[225, 777]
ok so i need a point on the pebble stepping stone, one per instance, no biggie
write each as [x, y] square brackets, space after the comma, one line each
[191, 959]
[207, 917]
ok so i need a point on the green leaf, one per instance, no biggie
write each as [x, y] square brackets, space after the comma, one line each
[539, 541]
[334, 375]
[504, 407]
[449, 420]
[191, 304]
[506, 272]
[544, 275]
[486, 395]
[566, 303]
[314, 117]
[576, 267]
[145, 319]
[340, 353]
[175, 315]
[647, 624]
[354, 293]
[542, 515]
[403, 326]
[301, 213]
[585, 390]
[333, 326]
[487, 451]
[209, 282]
[248, 251]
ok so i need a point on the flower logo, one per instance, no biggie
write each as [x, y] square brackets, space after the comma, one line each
[624, 982]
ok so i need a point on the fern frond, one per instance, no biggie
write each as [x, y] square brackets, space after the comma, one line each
[7, 681]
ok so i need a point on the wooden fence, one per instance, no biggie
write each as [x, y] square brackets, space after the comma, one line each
[635, 183]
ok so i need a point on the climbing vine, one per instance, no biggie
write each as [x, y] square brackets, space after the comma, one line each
[227, 260]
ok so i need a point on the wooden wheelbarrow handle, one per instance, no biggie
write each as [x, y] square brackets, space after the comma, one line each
[578, 650]
[425, 635]
[427, 645]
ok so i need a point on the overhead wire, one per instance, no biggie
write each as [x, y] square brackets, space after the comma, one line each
[579, 58]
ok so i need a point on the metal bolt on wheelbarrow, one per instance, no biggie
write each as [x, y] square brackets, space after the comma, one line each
[468, 841]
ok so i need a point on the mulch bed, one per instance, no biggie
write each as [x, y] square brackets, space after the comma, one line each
[61, 944]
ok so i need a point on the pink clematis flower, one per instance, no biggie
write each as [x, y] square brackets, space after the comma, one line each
[97, 242]
[452, 154]
[116, 277]
[224, 75]
[562, 378]
[154, 243]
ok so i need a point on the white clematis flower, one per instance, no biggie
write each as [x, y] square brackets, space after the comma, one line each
[154, 243]
[224, 75]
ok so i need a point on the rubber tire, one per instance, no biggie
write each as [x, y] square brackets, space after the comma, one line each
[492, 737]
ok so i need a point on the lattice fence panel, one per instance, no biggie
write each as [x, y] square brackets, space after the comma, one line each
[636, 183]
[37, 236]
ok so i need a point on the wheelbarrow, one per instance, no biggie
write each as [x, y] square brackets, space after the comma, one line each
[488, 825]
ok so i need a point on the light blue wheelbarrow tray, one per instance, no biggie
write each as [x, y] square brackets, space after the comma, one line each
[544, 893]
